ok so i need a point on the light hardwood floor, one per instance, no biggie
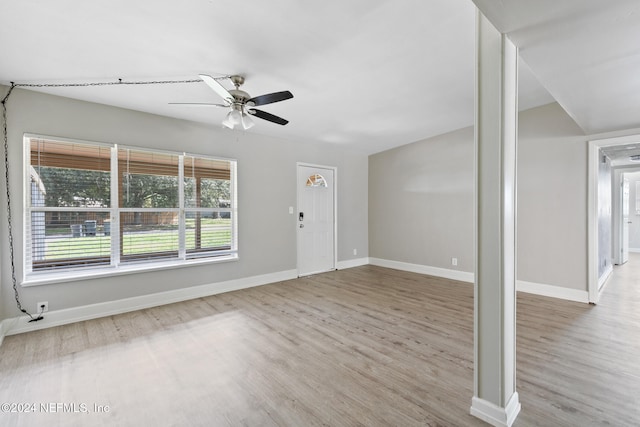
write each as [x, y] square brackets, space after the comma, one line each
[364, 346]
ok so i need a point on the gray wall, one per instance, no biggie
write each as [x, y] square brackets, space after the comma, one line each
[552, 199]
[266, 189]
[421, 200]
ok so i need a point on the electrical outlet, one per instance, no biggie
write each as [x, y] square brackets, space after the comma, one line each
[355, 252]
[454, 261]
[43, 307]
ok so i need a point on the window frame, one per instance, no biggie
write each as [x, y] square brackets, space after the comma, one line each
[118, 263]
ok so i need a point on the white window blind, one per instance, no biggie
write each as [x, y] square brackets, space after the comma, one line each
[208, 211]
[149, 205]
[96, 205]
[70, 198]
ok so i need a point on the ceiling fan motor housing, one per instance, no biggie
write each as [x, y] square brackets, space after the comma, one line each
[240, 95]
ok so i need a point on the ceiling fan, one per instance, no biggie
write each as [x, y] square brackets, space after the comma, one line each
[241, 103]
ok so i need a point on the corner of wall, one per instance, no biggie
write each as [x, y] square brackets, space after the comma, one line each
[341, 265]
[464, 276]
[5, 326]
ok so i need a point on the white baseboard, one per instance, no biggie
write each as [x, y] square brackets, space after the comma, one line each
[352, 263]
[21, 324]
[462, 276]
[552, 291]
[495, 415]
[465, 276]
[77, 314]
[5, 327]
[634, 250]
[603, 279]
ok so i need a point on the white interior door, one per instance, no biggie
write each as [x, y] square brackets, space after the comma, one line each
[315, 220]
[624, 237]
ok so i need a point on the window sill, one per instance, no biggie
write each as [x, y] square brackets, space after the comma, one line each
[37, 279]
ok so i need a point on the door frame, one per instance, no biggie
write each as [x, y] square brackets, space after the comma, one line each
[593, 158]
[617, 214]
[335, 211]
[618, 176]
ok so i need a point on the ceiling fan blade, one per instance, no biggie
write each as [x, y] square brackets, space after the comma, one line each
[217, 87]
[198, 104]
[271, 98]
[268, 116]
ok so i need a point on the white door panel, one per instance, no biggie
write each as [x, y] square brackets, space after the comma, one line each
[315, 221]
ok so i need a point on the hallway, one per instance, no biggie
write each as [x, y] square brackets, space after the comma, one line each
[580, 364]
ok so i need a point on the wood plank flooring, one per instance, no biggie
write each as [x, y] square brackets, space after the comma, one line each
[367, 346]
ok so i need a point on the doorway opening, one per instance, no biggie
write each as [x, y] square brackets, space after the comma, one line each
[608, 160]
[626, 213]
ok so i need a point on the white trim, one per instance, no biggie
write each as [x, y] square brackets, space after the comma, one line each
[553, 291]
[115, 205]
[342, 265]
[476, 120]
[77, 314]
[495, 415]
[541, 289]
[634, 250]
[73, 275]
[605, 276]
[602, 281]
[592, 221]
[462, 276]
[5, 327]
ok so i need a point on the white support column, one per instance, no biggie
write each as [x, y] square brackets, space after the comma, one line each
[495, 398]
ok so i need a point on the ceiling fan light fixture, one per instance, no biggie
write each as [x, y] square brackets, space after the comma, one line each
[247, 121]
[227, 121]
[235, 117]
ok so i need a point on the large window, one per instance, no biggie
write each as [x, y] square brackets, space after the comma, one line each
[103, 206]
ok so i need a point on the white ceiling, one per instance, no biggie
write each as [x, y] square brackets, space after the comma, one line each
[367, 74]
[586, 53]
